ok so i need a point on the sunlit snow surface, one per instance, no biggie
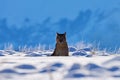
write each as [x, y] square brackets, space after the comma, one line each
[79, 65]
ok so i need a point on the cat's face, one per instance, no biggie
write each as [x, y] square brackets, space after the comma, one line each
[61, 38]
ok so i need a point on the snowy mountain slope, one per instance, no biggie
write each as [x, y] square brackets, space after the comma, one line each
[81, 64]
[60, 68]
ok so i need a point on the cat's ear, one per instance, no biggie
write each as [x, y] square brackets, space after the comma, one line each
[57, 33]
[65, 33]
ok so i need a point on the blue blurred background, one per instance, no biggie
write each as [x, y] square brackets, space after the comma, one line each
[32, 22]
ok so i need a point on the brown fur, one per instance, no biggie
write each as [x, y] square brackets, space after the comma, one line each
[61, 48]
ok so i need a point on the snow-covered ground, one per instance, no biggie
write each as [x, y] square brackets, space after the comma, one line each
[83, 64]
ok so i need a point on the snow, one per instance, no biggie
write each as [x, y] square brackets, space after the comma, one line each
[39, 65]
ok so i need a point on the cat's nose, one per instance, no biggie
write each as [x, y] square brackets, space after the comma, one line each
[61, 40]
